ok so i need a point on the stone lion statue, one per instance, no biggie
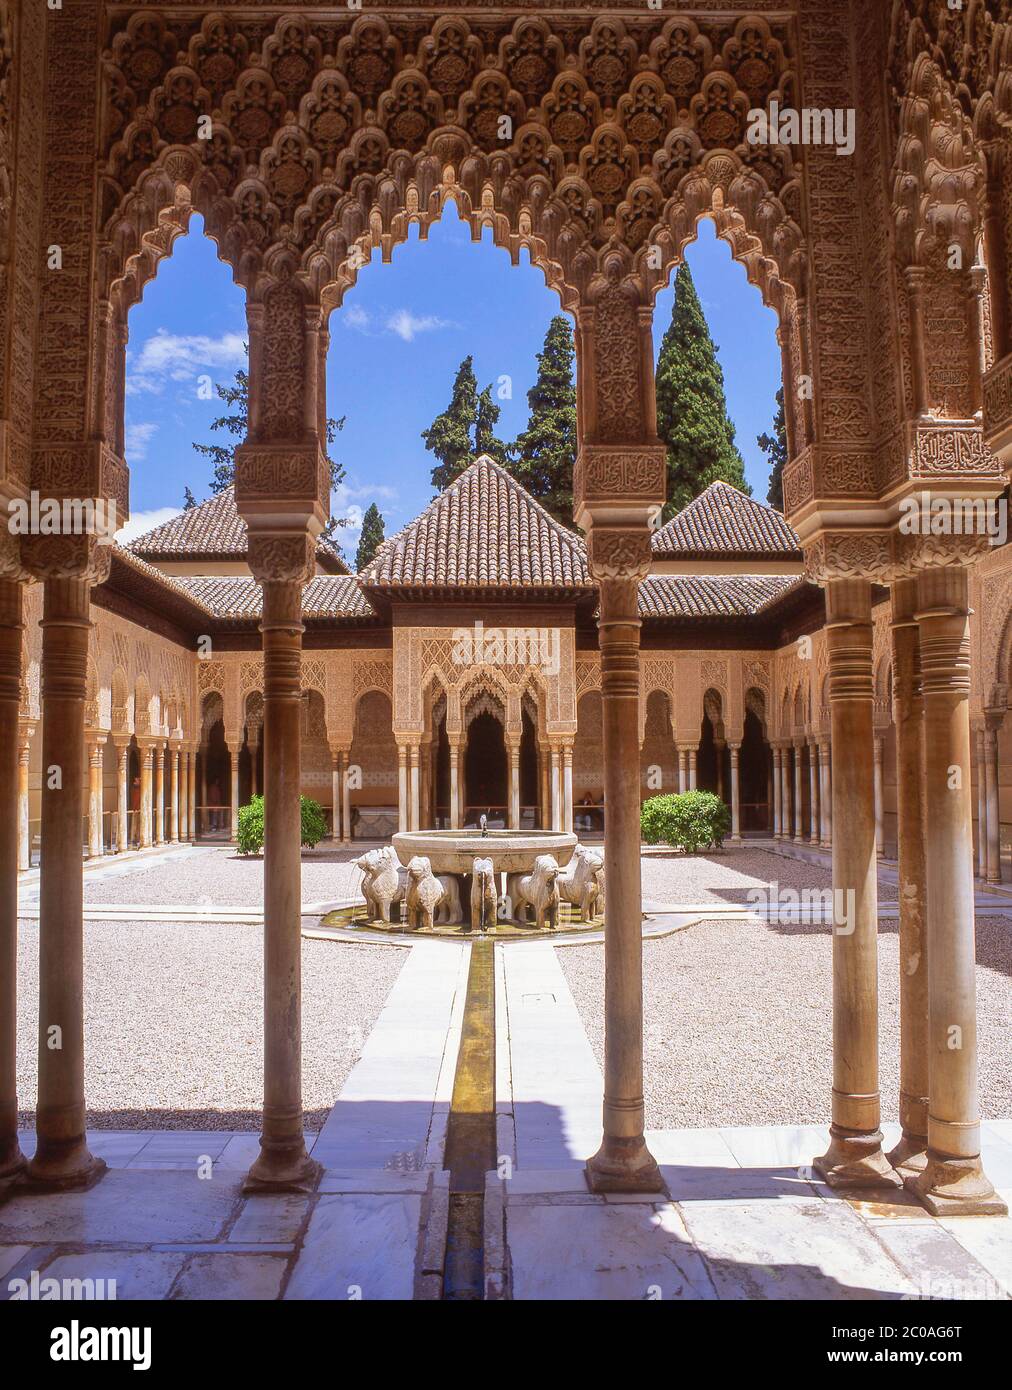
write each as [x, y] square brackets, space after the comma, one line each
[538, 890]
[383, 881]
[581, 882]
[484, 898]
[430, 899]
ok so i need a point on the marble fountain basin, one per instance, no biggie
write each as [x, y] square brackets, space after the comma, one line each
[511, 851]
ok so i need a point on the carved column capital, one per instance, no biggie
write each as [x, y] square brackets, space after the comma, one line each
[66, 557]
[282, 557]
[850, 555]
[619, 553]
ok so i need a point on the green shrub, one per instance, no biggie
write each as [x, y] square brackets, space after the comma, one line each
[691, 821]
[251, 824]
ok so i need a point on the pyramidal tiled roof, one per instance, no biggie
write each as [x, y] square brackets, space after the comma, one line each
[211, 529]
[713, 595]
[484, 531]
[335, 596]
[722, 523]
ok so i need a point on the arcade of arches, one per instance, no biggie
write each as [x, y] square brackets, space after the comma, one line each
[310, 141]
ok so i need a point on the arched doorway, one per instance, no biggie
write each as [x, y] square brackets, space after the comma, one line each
[755, 768]
[485, 769]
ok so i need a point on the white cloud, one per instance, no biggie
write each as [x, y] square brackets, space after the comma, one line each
[408, 325]
[356, 317]
[136, 437]
[181, 357]
[145, 521]
[347, 492]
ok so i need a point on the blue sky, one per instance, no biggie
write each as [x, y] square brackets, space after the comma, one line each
[396, 343]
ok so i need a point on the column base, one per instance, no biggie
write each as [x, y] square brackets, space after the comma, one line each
[282, 1170]
[956, 1187]
[623, 1165]
[855, 1159]
[63, 1167]
[735, 840]
[910, 1155]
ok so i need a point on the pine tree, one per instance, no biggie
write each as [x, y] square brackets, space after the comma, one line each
[545, 452]
[372, 535]
[449, 435]
[237, 424]
[485, 421]
[775, 448]
[189, 501]
[692, 417]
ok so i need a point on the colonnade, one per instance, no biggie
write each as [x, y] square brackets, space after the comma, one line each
[790, 823]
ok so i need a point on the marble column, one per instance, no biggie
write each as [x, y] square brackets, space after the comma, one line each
[12, 1160]
[283, 1163]
[719, 750]
[415, 810]
[825, 795]
[735, 802]
[910, 1154]
[94, 754]
[173, 754]
[402, 787]
[192, 793]
[683, 773]
[813, 792]
[62, 1158]
[147, 759]
[233, 762]
[454, 784]
[981, 805]
[335, 794]
[692, 769]
[345, 796]
[203, 786]
[798, 794]
[953, 1181]
[879, 816]
[567, 788]
[159, 751]
[992, 725]
[623, 1162]
[777, 807]
[785, 792]
[556, 791]
[854, 1157]
[252, 745]
[184, 796]
[24, 809]
[513, 762]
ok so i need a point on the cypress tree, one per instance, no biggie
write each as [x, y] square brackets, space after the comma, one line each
[372, 534]
[449, 435]
[775, 448]
[545, 453]
[692, 418]
[486, 419]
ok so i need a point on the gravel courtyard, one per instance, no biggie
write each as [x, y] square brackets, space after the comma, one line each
[738, 1021]
[174, 1022]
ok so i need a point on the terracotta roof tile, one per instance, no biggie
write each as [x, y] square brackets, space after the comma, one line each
[713, 595]
[483, 531]
[211, 529]
[335, 596]
[723, 523]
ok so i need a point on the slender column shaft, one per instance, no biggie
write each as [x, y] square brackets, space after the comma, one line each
[953, 1180]
[415, 787]
[785, 791]
[94, 755]
[798, 794]
[335, 795]
[692, 769]
[777, 808]
[683, 770]
[826, 797]
[254, 789]
[813, 793]
[283, 1161]
[24, 820]
[62, 1157]
[556, 814]
[879, 812]
[854, 1157]
[192, 793]
[159, 794]
[567, 787]
[735, 802]
[981, 806]
[174, 792]
[454, 785]
[184, 793]
[402, 787]
[203, 782]
[910, 1154]
[233, 761]
[513, 759]
[147, 764]
[345, 796]
[993, 804]
[623, 1161]
[719, 748]
[12, 1160]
